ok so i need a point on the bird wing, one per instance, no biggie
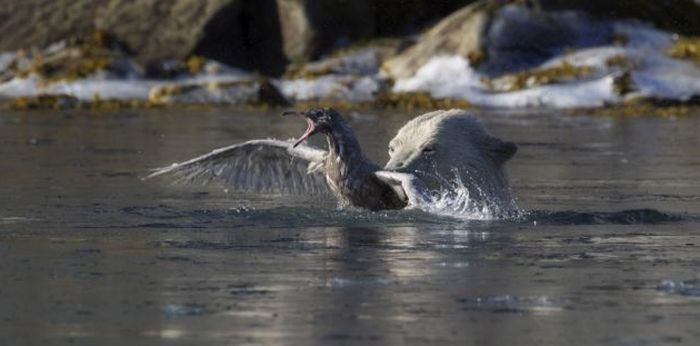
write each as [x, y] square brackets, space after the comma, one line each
[265, 165]
[407, 186]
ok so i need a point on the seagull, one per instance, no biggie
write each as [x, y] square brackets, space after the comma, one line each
[270, 165]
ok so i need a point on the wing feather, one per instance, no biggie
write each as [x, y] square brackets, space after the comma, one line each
[406, 185]
[265, 165]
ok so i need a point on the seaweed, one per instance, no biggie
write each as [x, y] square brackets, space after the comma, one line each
[624, 83]
[62, 102]
[539, 76]
[686, 48]
[641, 108]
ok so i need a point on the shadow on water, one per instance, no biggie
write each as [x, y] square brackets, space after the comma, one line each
[624, 217]
[164, 216]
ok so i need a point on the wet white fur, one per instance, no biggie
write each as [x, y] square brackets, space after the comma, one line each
[460, 148]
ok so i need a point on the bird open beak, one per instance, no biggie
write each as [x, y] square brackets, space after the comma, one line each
[310, 129]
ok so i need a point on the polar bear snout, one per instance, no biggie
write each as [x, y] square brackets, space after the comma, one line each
[394, 166]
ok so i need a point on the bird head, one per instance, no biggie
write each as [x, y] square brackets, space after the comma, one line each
[318, 120]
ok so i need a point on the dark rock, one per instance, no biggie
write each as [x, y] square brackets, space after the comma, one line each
[403, 17]
[245, 34]
[157, 30]
[38, 23]
[681, 16]
[310, 27]
[236, 32]
[260, 35]
[265, 35]
[507, 36]
[461, 33]
[313, 27]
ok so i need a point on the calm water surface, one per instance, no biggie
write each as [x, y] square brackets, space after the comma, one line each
[91, 255]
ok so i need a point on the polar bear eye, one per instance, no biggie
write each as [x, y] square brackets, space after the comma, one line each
[391, 150]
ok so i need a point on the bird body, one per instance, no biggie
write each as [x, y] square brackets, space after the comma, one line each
[283, 166]
[352, 177]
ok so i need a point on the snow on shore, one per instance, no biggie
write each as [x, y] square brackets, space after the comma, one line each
[600, 74]
[653, 74]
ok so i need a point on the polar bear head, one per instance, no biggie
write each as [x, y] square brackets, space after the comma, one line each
[443, 145]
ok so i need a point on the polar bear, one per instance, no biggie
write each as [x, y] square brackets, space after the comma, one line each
[448, 146]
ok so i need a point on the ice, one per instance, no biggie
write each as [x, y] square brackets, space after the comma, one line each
[353, 78]
[129, 88]
[444, 76]
[332, 87]
[6, 59]
[84, 89]
[667, 78]
[639, 35]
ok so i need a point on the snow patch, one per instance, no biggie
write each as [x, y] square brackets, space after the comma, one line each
[653, 75]
[342, 88]
[452, 77]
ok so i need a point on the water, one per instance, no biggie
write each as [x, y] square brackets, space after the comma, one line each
[606, 253]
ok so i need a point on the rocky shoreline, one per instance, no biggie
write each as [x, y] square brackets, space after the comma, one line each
[493, 54]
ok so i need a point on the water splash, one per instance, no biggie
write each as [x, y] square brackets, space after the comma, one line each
[515, 304]
[690, 288]
[467, 201]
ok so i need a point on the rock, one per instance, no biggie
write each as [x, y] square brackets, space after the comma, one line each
[680, 16]
[236, 32]
[38, 23]
[77, 58]
[245, 34]
[398, 18]
[496, 39]
[264, 35]
[260, 35]
[519, 38]
[461, 33]
[504, 37]
[157, 30]
[297, 32]
[152, 29]
[311, 28]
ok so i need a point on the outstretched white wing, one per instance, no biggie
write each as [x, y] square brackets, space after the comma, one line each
[407, 186]
[265, 165]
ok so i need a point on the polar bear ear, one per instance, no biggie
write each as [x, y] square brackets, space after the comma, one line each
[501, 151]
